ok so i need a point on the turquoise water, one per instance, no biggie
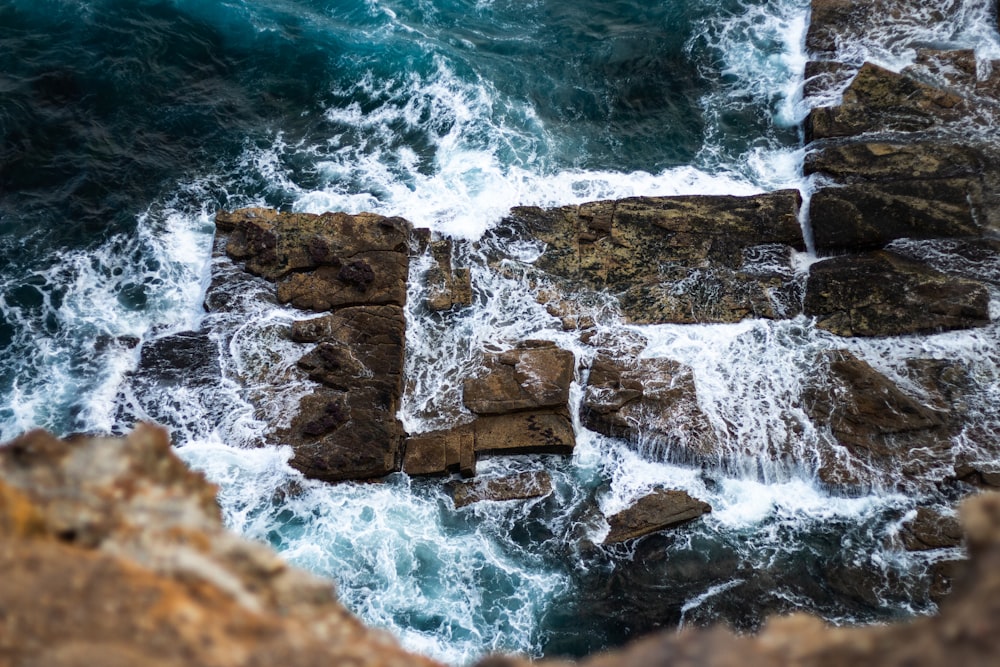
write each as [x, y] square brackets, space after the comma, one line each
[126, 124]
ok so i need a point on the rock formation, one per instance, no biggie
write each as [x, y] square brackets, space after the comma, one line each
[521, 486]
[114, 554]
[656, 511]
[654, 400]
[675, 259]
[354, 269]
[521, 405]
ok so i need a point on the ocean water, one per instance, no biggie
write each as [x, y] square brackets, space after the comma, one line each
[126, 124]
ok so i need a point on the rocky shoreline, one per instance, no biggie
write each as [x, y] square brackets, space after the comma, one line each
[902, 172]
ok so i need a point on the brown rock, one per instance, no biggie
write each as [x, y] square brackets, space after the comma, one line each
[889, 191]
[521, 486]
[652, 399]
[931, 530]
[885, 431]
[655, 253]
[838, 25]
[657, 511]
[822, 76]
[441, 452]
[531, 376]
[525, 433]
[339, 435]
[114, 553]
[882, 294]
[323, 261]
[447, 286]
[879, 100]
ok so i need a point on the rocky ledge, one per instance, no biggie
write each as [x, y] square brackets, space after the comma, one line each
[114, 553]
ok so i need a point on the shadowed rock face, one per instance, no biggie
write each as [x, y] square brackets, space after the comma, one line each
[882, 294]
[657, 511]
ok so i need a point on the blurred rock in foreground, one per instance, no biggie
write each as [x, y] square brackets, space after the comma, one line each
[114, 553]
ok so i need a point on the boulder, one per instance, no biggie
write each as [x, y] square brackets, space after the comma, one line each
[880, 100]
[887, 435]
[883, 294]
[657, 511]
[521, 486]
[323, 261]
[536, 374]
[660, 255]
[653, 400]
[447, 286]
[931, 530]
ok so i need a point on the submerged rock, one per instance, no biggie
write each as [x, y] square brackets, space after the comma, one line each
[657, 511]
[676, 259]
[889, 437]
[653, 400]
[521, 486]
[883, 294]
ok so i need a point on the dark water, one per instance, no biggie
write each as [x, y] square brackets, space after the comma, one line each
[124, 125]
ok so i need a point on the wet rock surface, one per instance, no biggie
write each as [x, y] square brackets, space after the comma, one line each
[522, 486]
[354, 269]
[882, 429]
[657, 511]
[536, 374]
[675, 259]
[654, 399]
[883, 294]
[931, 530]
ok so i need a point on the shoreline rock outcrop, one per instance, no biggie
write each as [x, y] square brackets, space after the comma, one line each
[354, 268]
[114, 553]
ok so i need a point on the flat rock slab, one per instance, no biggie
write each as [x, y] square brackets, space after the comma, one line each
[659, 510]
[441, 452]
[675, 259]
[320, 262]
[887, 190]
[522, 486]
[534, 375]
[883, 294]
